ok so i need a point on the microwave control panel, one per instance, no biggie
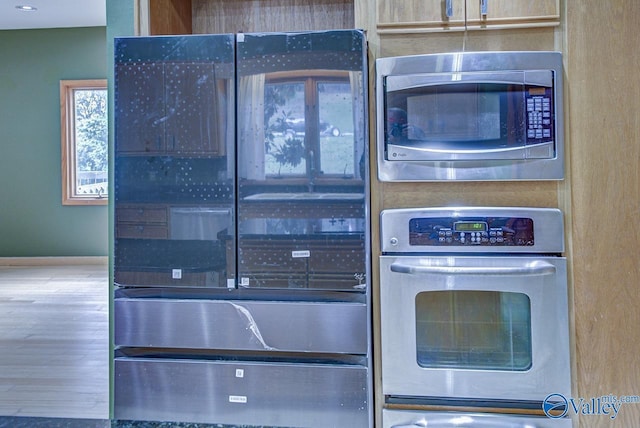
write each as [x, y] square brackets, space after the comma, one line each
[476, 231]
[539, 115]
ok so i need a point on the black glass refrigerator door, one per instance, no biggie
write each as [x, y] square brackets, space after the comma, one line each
[301, 133]
[174, 161]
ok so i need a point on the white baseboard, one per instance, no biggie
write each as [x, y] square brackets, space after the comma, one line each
[53, 261]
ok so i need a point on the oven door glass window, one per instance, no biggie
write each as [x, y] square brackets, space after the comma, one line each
[473, 330]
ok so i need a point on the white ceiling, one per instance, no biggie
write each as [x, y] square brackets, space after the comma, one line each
[52, 14]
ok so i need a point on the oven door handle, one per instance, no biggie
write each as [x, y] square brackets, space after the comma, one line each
[533, 268]
[449, 423]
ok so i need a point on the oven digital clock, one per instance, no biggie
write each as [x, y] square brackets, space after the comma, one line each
[470, 226]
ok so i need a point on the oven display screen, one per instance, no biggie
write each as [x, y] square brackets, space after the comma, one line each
[467, 226]
[471, 231]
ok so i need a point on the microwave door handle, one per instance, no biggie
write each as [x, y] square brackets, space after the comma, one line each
[400, 82]
[509, 152]
[529, 269]
[410, 81]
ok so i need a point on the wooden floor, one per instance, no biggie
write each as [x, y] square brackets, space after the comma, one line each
[54, 352]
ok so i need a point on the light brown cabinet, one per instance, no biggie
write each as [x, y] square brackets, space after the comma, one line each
[147, 255]
[142, 222]
[137, 96]
[500, 14]
[420, 16]
[167, 109]
[164, 17]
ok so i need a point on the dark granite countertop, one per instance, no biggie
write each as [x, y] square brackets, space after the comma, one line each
[199, 195]
[32, 422]
[305, 197]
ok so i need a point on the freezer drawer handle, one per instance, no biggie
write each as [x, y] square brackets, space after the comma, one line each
[535, 268]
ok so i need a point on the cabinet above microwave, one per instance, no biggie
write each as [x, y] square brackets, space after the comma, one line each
[470, 116]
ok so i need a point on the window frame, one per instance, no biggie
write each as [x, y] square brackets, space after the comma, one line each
[310, 79]
[68, 141]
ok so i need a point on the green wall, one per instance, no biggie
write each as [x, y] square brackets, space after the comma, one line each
[33, 221]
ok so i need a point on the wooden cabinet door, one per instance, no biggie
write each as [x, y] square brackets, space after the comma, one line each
[141, 214]
[140, 108]
[141, 222]
[193, 124]
[512, 13]
[417, 16]
[167, 109]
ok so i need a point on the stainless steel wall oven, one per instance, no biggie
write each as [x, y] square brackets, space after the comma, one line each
[474, 309]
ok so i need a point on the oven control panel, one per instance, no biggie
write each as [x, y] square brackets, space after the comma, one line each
[471, 231]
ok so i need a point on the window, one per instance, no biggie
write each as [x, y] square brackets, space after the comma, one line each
[310, 127]
[83, 105]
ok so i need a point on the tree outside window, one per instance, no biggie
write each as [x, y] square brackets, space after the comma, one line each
[84, 142]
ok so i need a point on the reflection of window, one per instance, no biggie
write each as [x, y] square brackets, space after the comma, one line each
[84, 141]
[309, 126]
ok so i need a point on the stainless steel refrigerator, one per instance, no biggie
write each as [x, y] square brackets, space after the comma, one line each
[241, 241]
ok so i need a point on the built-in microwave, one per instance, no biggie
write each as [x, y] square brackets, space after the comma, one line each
[470, 116]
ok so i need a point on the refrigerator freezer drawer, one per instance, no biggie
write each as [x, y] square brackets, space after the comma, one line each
[243, 393]
[242, 325]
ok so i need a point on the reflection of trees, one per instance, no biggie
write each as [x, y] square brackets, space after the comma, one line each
[291, 151]
[91, 130]
[275, 96]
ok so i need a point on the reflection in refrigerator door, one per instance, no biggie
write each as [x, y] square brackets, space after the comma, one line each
[199, 223]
